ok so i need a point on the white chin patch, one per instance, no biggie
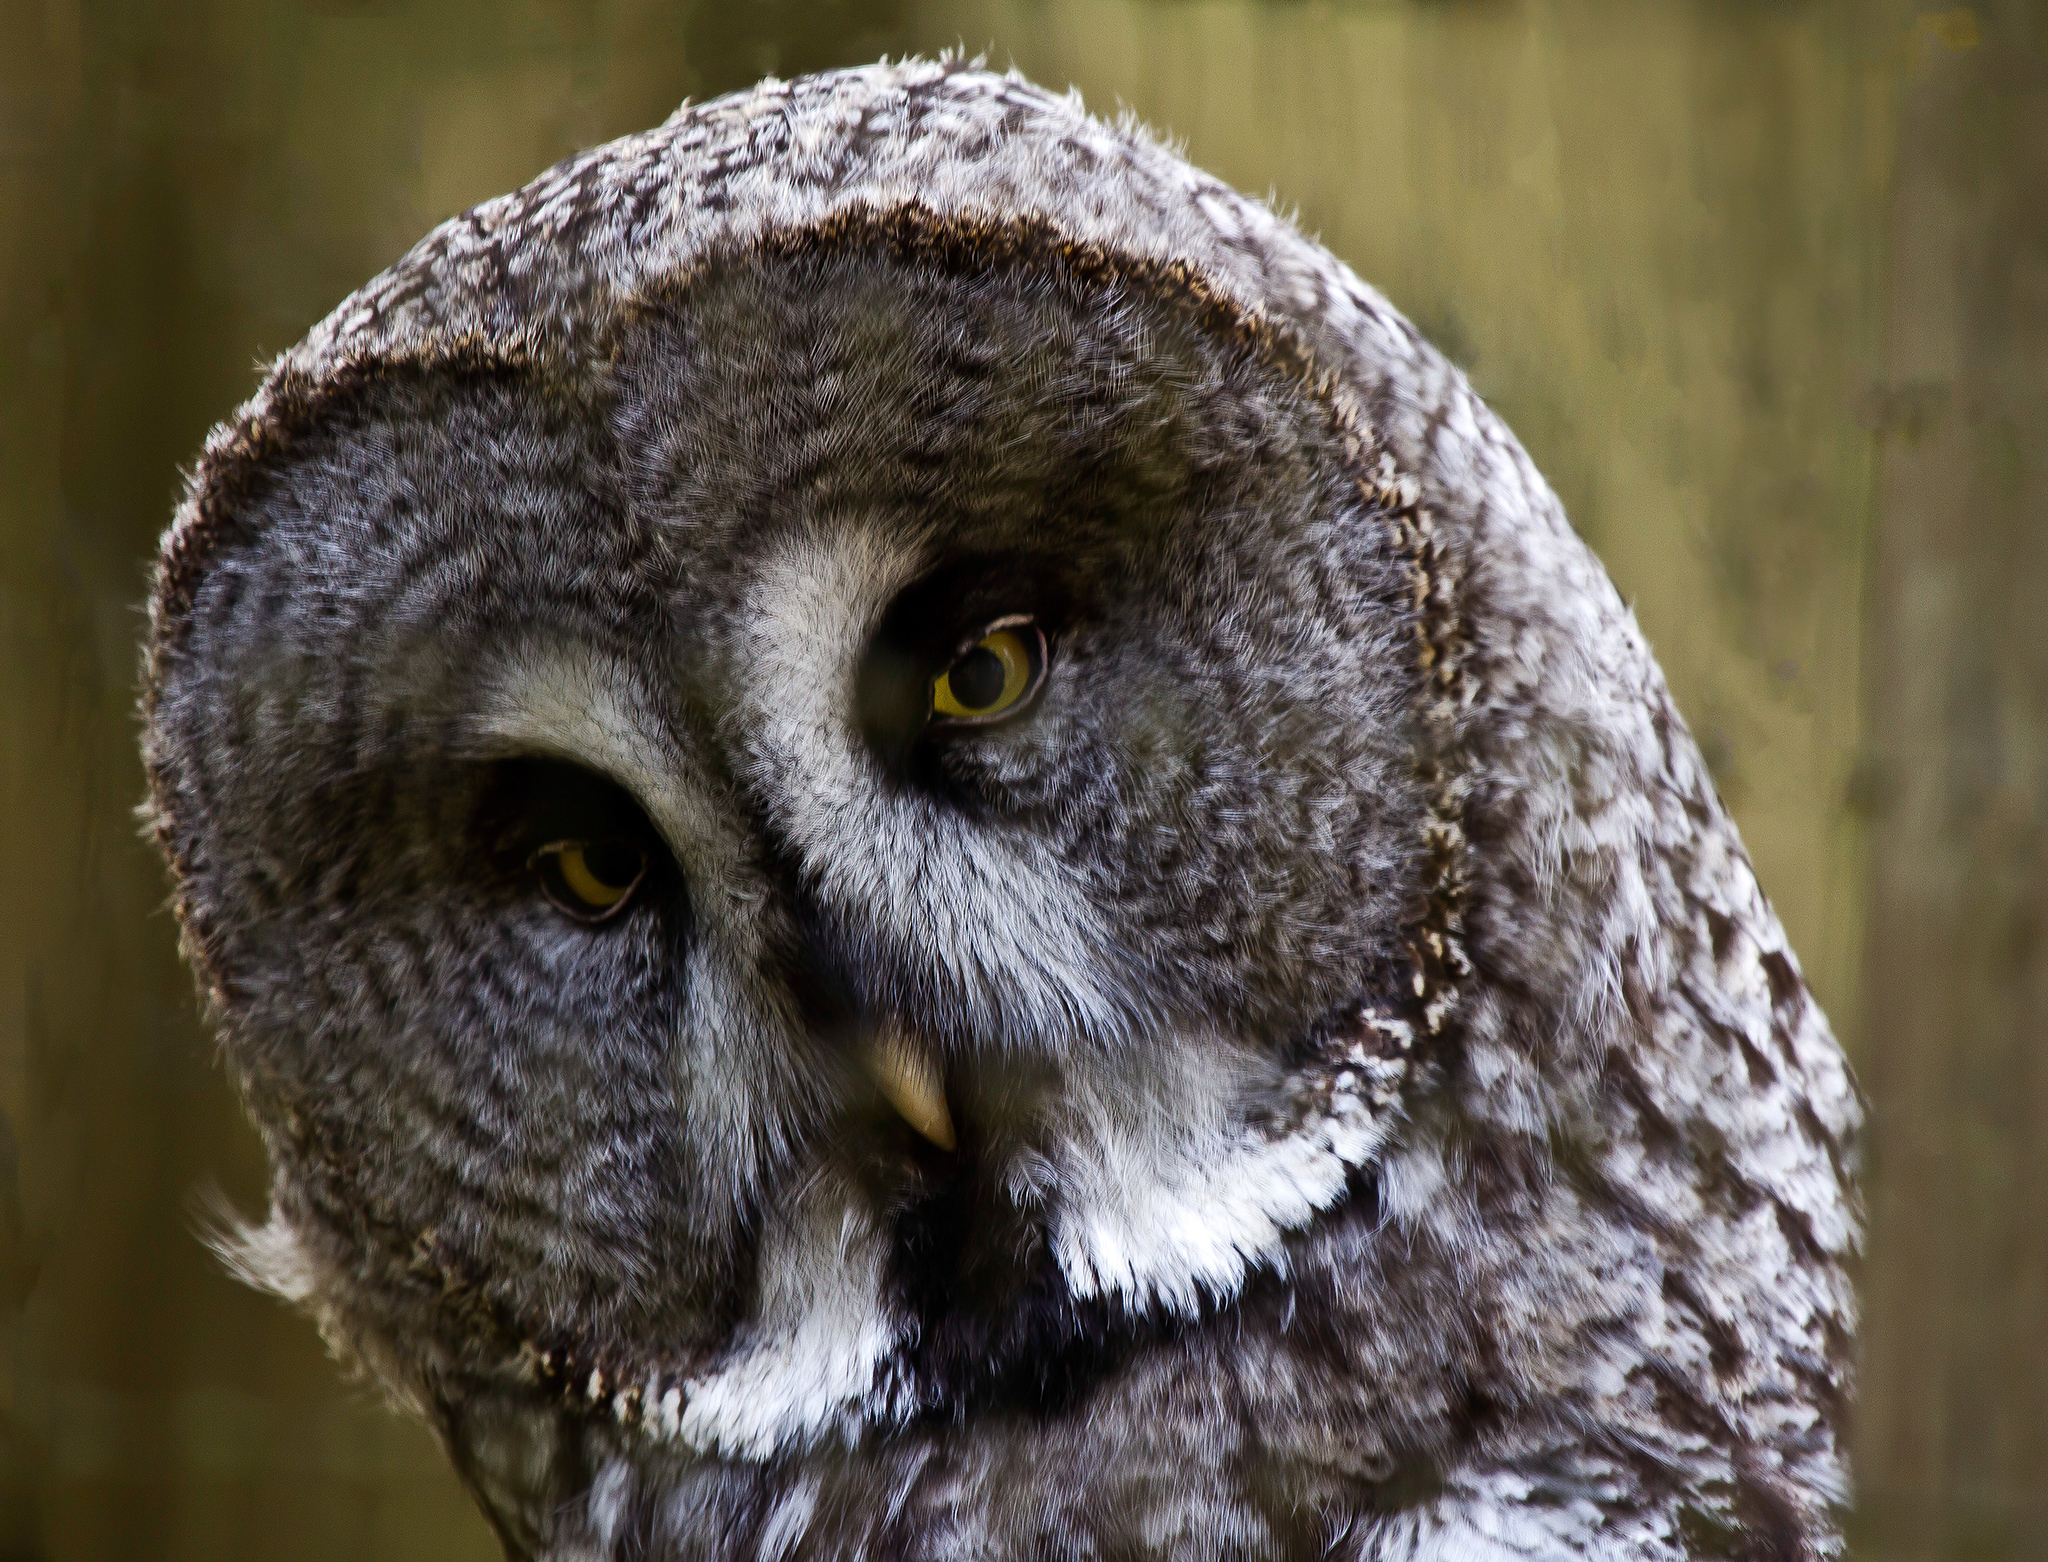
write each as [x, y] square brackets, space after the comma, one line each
[1167, 1198]
[804, 1369]
[1161, 1197]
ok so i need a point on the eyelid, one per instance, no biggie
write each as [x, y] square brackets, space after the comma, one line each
[996, 626]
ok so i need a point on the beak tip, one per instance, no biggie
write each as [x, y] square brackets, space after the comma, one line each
[909, 1081]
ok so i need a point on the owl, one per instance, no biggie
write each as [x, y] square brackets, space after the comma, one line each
[915, 843]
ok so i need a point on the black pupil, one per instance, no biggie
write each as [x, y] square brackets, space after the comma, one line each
[612, 863]
[977, 678]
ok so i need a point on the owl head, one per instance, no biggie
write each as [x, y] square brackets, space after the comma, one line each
[877, 790]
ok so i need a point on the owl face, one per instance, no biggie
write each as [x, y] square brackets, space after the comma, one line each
[802, 862]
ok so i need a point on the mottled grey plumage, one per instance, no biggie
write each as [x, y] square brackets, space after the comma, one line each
[1391, 1124]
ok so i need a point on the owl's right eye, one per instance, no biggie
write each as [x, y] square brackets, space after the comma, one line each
[992, 678]
[591, 881]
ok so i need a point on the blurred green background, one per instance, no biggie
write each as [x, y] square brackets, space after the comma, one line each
[1763, 287]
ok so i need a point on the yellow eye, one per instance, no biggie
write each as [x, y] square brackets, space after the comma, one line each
[993, 676]
[590, 880]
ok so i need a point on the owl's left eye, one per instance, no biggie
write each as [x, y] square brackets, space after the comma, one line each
[994, 676]
[590, 880]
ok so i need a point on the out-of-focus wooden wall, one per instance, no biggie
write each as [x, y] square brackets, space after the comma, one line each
[1954, 1048]
[1764, 288]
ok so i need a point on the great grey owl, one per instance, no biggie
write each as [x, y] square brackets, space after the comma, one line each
[915, 843]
